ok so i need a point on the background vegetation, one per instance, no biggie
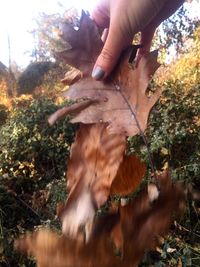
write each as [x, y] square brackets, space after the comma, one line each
[33, 155]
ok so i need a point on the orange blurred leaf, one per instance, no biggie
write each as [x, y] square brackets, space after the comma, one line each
[129, 175]
[134, 230]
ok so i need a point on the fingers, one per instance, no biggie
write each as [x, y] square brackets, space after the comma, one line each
[124, 18]
[118, 38]
[146, 40]
[111, 51]
[101, 14]
[165, 12]
[147, 34]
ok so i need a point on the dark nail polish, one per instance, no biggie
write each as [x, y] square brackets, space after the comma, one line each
[98, 73]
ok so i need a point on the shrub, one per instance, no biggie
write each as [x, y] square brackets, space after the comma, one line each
[3, 114]
[173, 135]
[30, 147]
[173, 131]
[32, 172]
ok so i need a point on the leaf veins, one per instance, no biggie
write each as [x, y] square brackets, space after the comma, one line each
[122, 101]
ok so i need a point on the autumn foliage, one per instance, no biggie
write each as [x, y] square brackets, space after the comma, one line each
[136, 227]
[121, 101]
[128, 177]
[110, 111]
[98, 166]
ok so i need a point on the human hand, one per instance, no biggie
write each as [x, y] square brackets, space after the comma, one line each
[122, 19]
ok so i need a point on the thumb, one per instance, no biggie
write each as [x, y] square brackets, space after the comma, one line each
[110, 53]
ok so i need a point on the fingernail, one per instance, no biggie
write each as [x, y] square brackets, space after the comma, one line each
[98, 73]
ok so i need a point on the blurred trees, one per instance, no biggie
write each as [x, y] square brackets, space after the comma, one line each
[177, 29]
[7, 80]
[185, 69]
[172, 33]
[46, 36]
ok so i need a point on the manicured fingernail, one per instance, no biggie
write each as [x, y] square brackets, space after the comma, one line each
[98, 73]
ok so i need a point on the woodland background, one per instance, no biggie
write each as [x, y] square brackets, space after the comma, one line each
[33, 155]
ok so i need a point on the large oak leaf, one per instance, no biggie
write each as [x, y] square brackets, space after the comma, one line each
[119, 107]
[122, 102]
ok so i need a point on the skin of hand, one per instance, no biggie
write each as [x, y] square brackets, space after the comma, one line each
[121, 20]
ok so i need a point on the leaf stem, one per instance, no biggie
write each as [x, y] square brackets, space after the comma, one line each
[143, 137]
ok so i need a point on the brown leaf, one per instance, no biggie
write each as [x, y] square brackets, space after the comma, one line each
[85, 44]
[135, 230]
[151, 219]
[119, 99]
[129, 176]
[71, 77]
[123, 101]
[142, 222]
[52, 250]
[120, 104]
[93, 164]
[69, 109]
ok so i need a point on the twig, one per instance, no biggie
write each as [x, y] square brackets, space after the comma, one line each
[186, 230]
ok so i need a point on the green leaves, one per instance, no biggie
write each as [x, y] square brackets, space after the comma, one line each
[32, 165]
[29, 145]
[173, 132]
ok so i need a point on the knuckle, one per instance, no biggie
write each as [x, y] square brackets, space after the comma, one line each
[106, 55]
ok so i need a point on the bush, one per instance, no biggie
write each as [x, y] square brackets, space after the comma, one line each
[30, 147]
[32, 172]
[173, 131]
[3, 114]
[173, 135]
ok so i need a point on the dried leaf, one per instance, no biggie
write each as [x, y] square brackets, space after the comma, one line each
[123, 102]
[142, 222]
[85, 44]
[179, 264]
[53, 250]
[93, 164]
[134, 230]
[69, 109]
[129, 176]
[71, 77]
[120, 104]
[119, 107]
